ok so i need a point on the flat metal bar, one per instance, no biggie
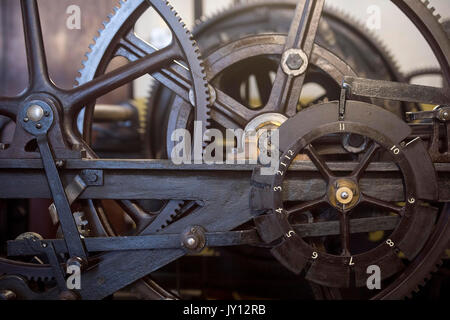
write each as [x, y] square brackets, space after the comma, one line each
[37, 62]
[163, 165]
[397, 91]
[68, 225]
[75, 98]
[205, 186]
[175, 77]
[213, 239]
[198, 9]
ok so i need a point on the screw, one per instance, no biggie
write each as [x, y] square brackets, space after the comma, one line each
[344, 195]
[294, 61]
[38, 125]
[411, 200]
[35, 112]
[191, 242]
[26, 119]
[446, 115]
[44, 245]
[92, 178]
[59, 163]
[76, 261]
[47, 114]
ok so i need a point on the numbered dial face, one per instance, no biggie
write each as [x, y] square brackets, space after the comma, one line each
[325, 233]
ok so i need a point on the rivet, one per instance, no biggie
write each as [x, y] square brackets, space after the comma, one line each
[191, 242]
[35, 112]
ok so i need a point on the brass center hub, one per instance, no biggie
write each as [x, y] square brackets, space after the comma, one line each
[343, 194]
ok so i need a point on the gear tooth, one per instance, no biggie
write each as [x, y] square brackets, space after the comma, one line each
[169, 5]
[106, 30]
[436, 15]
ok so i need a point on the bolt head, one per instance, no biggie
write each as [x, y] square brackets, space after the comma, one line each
[35, 112]
[344, 195]
[294, 61]
[92, 178]
[76, 261]
[191, 242]
[38, 125]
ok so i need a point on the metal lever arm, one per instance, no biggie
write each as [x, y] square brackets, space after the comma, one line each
[71, 235]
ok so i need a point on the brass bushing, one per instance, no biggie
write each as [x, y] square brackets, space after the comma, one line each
[343, 194]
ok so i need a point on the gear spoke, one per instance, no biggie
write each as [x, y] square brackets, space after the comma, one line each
[37, 62]
[139, 216]
[368, 157]
[382, 204]
[345, 233]
[75, 99]
[231, 109]
[318, 162]
[309, 205]
[287, 88]
[175, 77]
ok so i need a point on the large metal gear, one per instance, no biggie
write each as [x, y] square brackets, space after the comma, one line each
[338, 33]
[345, 193]
[121, 24]
[117, 38]
[223, 76]
[403, 167]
